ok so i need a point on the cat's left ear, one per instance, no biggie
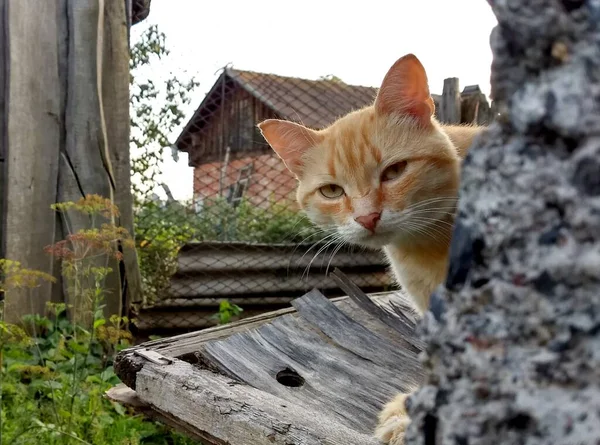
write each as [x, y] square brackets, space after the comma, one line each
[290, 141]
[405, 91]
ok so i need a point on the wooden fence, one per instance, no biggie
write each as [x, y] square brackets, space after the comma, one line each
[257, 277]
[64, 105]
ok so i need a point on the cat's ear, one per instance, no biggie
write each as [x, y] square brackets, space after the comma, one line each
[290, 141]
[405, 91]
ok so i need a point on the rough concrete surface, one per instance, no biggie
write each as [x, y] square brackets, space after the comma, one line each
[514, 356]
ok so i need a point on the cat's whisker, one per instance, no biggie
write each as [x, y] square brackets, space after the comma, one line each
[429, 229]
[432, 220]
[438, 198]
[314, 232]
[431, 203]
[335, 251]
[326, 246]
[433, 200]
[415, 228]
[435, 210]
[317, 243]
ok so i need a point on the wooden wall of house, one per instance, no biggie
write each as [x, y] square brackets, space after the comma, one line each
[269, 182]
[232, 125]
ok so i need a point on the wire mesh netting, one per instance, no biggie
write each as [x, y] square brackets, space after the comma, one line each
[242, 241]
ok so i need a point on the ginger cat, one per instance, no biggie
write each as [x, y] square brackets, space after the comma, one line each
[385, 176]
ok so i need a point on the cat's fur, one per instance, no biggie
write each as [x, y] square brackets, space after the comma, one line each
[385, 176]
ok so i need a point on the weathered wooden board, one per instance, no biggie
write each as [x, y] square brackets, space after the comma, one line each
[114, 94]
[450, 112]
[222, 411]
[316, 374]
[86, 164]
[32, 123]
[65, 108]
[230, 285]
[197, 258]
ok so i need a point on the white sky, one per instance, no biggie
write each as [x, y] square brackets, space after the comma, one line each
[356, 41]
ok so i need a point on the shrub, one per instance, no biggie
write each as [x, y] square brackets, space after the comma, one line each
[161, 230]
[54, 370]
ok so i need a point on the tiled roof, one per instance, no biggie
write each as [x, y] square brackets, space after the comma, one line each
[315, 103]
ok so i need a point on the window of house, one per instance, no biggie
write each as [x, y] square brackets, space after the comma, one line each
[238, 189]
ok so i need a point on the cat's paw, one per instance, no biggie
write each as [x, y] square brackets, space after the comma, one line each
[393, 420]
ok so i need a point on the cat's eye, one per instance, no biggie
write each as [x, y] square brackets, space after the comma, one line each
[393, 171]
[331, 191]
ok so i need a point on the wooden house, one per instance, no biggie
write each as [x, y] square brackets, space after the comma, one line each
[230, 157]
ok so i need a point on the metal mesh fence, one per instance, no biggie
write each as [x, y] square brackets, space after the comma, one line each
[241, 241]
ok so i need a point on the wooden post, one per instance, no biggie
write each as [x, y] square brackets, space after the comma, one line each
[65, 133]
[115, 90]
[32, 121]
[450, 112]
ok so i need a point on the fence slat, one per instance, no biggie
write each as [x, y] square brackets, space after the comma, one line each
[33, 126]
[450, 112]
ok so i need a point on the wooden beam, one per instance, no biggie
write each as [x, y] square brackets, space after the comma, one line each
[114, 91]
[284, 377]
[33, 127]
[450, 109]
[203, 402]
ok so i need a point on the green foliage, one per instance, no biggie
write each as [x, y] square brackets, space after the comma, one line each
[53, 386]
[156, 110]
[162, 230]
[54, 371]
[227, 311]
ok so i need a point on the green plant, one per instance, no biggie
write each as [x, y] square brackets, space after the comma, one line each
[53, 378]
[162, 230]
[227, 311]
[156, 109]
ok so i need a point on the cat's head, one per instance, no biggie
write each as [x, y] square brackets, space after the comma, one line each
[380, 175]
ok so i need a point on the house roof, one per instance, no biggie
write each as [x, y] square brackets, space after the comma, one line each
[315, 103]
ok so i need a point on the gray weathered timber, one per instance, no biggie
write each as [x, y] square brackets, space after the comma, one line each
[342, 365]
[3, 134]
[86, 166]
[32, 121]
[112, 91]
[450, 112]
[64, 134]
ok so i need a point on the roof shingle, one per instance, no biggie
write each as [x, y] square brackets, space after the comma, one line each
[315, 103]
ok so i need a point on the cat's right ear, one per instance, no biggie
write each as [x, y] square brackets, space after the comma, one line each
[405, 91]
[290, 141]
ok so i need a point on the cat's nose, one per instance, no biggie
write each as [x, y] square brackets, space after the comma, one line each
[368, 221]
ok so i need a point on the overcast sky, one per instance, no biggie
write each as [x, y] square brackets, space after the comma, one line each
[356, 41]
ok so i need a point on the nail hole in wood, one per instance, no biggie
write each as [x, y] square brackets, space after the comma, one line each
[289, 377]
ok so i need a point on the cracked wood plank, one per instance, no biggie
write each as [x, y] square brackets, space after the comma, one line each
[86, 166]
[314, 363]
[114, 90]
[216, 407]
[55, 133]
[31, 120]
